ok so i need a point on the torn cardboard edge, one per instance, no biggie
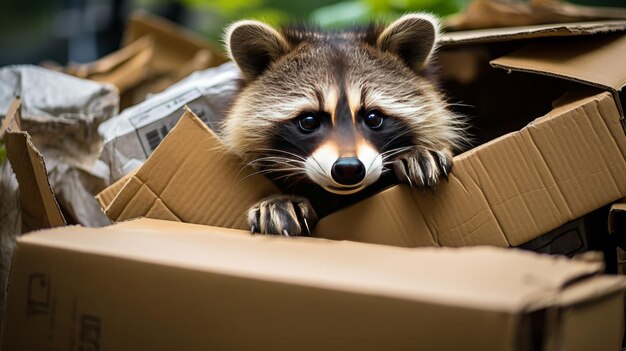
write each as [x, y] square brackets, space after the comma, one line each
[480, 36]
[205, 157]
[39, 206]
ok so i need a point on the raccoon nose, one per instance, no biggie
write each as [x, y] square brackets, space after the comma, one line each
[348, 171]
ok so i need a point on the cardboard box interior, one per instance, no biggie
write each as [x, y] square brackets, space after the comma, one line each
[542, 140]
[301, 293]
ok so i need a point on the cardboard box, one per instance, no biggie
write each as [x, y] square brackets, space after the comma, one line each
[532, 174]
[159, 285]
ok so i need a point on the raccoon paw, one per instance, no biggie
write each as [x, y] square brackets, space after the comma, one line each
[422, 167]
[286, 215]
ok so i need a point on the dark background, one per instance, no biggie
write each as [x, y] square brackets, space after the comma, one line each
[63, 31]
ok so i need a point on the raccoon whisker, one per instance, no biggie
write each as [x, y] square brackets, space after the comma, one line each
[396, 137]
[271, 159]
[282, 158]
[285, 152]
[396, 150]
[286, 176]
[266, 163]
[267, 171]
[393, 152]
[297, 146]
[269, 162]
[388, 154]
[281, 166]
[319, 170]
[459, 104]
[297, 178]
[278, 169]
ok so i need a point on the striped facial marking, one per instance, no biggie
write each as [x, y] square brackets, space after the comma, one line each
[345, 162]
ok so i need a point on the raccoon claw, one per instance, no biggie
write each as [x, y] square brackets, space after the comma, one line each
[422, 167]
[282, 215]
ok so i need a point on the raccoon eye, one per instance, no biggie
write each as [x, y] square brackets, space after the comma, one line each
[308, 123]
[374, 119]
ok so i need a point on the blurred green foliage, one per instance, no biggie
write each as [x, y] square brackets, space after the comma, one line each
[210, 17]
[326, 13]
[3, 152]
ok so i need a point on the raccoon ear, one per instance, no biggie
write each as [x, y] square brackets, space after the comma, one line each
[411, 37]
[254, 46]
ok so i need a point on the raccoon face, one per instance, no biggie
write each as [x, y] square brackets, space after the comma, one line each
[335, 107]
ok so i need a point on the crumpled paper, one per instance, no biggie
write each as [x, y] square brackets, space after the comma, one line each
[130, 137]
[10, 224]
[62, 114]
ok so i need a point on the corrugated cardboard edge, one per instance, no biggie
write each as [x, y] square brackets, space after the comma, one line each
[150, 192]
[39, 206]
[106, 196]
[530, 32]
[617, 216]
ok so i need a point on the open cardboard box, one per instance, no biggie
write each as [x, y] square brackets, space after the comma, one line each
[156, 284]
[553, 149]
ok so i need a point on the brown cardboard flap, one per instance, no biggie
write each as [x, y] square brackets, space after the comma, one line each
[174, 45]
[106, 196]
[597, 61]
[529, 32]
[617, 216]
[124, 68]
[190, 177]
[506, 13]
[39, 207]
[506, 192]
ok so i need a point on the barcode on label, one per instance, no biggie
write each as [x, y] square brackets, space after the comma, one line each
[154, 139]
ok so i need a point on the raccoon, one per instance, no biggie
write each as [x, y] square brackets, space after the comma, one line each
[331, 114]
